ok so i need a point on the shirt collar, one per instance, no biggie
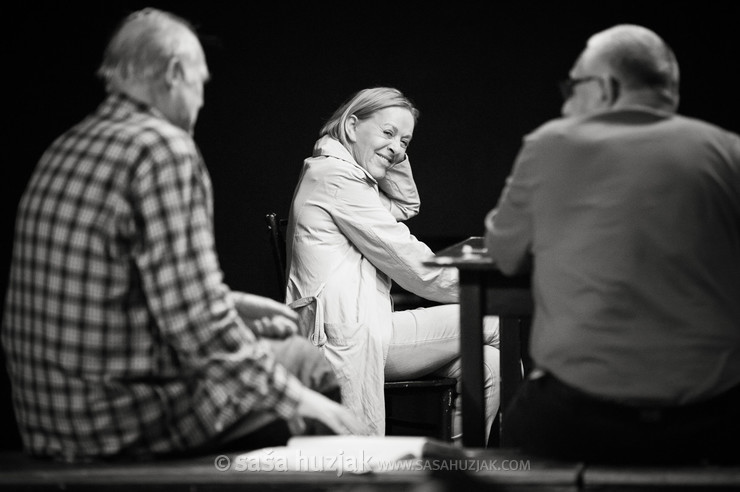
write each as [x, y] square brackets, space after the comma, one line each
[119, 103]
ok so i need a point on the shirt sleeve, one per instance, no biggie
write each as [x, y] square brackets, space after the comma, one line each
[398, 192]
[388, 244]
[182, 281]
[508, 227]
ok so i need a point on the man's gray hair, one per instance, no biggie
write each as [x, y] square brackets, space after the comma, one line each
[143, 44]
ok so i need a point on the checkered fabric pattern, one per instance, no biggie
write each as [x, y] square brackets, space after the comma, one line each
[120, 336]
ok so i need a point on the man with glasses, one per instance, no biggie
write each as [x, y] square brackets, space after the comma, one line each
[629, 216]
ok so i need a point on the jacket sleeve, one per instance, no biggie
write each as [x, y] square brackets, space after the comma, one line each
[508, 227]
[388, 244]
[398, 192]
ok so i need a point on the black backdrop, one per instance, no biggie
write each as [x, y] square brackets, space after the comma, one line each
[482, 73]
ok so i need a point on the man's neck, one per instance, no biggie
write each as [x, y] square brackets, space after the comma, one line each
[646, 98]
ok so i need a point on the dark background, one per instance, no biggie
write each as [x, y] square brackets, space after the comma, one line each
[483, 74]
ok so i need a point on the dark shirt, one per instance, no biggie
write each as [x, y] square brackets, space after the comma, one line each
[633, 218]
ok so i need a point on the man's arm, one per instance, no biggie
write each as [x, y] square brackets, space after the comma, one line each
[193, 308]
[264, 316]
[508, 227]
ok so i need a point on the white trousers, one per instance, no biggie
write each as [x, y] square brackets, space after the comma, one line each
[426, 341]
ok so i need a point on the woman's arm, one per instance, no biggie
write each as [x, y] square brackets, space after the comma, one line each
[387, 243]
[398, 191]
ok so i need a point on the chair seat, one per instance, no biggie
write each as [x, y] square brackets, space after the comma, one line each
[420, 407]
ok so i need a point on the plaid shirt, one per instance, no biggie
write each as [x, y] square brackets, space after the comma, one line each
[119, 333]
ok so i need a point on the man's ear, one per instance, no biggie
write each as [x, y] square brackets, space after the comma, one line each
[611, 90]
[614, 83]
[175, 72]
[350, 128]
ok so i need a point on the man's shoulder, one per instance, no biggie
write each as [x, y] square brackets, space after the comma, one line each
[626, 117]
[158, 133]
[139, 124]
[552, 128]
[703, 127]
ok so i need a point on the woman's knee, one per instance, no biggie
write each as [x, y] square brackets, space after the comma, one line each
[490, 330]
[491, 365]
[443, 320]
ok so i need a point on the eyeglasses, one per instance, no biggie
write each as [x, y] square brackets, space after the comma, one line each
[568, 85]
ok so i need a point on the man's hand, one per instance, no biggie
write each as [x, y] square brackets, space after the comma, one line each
[337, 417]
[264, 316]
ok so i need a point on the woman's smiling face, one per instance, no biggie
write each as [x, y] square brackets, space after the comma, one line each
[380, 141]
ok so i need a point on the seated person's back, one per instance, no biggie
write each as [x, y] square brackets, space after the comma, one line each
[631, 214]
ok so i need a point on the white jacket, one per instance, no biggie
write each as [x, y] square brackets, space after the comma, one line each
[344, 245]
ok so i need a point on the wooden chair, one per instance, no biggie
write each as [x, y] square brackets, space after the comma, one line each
[419, 407]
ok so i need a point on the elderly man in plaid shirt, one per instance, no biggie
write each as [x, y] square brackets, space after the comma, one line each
[120, 336]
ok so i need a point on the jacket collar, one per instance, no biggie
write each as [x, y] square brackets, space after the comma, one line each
[327, 146]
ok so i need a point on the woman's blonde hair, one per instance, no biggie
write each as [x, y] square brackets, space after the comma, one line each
[362, 105]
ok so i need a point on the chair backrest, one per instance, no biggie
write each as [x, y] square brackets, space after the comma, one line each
[276, 228]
